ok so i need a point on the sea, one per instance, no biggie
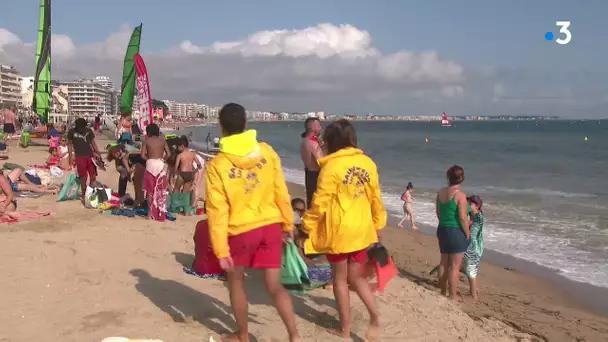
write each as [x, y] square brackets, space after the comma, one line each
[544, 183]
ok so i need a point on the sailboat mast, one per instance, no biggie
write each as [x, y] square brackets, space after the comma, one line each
[42, 76]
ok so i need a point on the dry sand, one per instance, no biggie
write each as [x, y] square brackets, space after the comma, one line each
[79, 275]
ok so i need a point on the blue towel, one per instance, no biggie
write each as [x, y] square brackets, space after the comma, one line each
[124, 212]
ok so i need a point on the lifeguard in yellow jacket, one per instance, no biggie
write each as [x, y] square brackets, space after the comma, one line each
[248, 209]
[344, 218]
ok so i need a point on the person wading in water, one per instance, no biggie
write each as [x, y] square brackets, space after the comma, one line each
[310, 151]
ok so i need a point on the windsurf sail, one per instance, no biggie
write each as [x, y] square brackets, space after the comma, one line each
[41, 102]
[444, 120]
[127, 89]
[144, 100]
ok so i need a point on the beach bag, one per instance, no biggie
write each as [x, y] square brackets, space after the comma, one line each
[94, 197]
[293, 269]
[205, 261]
[179, 201]
[24, 140]
[56, 172]
[70, 188]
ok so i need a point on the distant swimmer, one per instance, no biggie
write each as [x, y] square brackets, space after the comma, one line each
[310, 151]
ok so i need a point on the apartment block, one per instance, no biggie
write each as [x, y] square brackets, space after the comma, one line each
[10, 86]
[88, 98]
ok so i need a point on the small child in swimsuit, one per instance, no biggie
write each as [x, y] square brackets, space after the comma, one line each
[472, 257]
[184, 167]
[53, 159]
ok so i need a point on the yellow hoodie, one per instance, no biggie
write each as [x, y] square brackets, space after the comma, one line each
[347, 209]
[245, 190]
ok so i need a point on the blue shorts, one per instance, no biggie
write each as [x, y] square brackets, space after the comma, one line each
[13, 185]
[126, 138]
[452, 240]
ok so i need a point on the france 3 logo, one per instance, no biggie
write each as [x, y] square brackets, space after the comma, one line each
[564, 37]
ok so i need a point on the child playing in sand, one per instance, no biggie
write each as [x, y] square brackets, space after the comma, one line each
[472, 257]
[53, 158]
[408, 211]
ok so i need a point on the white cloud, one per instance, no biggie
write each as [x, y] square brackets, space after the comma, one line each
[326, 67]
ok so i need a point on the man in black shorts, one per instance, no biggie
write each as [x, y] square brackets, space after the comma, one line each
[310, 151]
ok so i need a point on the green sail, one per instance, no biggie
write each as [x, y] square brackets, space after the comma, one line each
[42, 76]
[127, 89]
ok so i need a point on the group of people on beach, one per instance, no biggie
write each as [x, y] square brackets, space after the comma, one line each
[251, 214]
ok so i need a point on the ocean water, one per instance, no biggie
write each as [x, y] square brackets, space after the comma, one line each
[545, 188]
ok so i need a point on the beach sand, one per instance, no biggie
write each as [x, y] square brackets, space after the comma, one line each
[79, 275]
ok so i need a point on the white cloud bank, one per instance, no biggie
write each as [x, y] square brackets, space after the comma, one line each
[325, 67]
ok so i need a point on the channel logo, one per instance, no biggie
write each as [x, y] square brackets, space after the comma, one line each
[564, 37]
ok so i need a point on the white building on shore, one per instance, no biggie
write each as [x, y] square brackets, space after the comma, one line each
[10, 86]
[88, 98]
[104, 81]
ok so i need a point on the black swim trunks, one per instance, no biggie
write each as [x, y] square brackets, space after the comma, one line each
[9, 128]
[310, 182]
[187, 176]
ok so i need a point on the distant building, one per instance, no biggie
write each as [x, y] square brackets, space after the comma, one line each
[104, 81]
[10, 86]
[60, 96]
[27, 91]
[88, 98]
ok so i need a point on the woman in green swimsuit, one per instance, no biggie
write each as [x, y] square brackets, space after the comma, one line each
[453, 232]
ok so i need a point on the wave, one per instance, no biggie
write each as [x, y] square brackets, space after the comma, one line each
[539, 192]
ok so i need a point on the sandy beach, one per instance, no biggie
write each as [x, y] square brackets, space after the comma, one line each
[79, 275]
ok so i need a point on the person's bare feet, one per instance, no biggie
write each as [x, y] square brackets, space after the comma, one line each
[236, 337]
[414, 227]
[373, 331]
[328, 287]
[340, 333]
[400, 225]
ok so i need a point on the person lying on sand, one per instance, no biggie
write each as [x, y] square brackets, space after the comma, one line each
[19, 182]
[8, 203]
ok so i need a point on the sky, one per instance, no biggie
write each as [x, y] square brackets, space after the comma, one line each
[386, 57]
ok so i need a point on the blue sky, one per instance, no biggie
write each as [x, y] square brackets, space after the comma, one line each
[506, 37]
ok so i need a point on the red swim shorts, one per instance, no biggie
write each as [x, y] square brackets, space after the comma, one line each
[356, 256]
[85, 166]
[258, 248]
